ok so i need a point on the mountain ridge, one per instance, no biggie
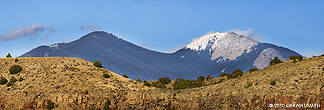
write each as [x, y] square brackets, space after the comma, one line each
[123, 57]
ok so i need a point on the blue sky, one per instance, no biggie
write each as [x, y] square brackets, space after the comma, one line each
[161, 25]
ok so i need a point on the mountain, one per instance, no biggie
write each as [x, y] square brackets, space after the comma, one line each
[208, 55]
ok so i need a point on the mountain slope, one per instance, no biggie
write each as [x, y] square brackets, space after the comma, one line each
[209, 55]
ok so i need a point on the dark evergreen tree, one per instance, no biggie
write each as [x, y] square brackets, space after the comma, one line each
[274, 61]
[8, 56]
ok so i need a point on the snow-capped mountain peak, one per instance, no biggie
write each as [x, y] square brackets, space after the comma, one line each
[228, 45]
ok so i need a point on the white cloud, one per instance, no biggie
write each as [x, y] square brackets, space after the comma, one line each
[29, 32]
[248, 33]
[172, 50]
[89, 27]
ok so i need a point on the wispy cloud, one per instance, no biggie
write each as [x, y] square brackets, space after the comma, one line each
[172, 50]
[89, 27]
[29, 32]
[248, 33]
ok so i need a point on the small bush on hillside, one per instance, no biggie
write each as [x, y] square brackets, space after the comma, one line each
[294, 61]
[125, 76]
[253, 69]
[97, 64]
[8, 56]
[322, 55]
[158, 84]
[236, 73]
[294, 57]
[106, 75]
[20, 79]
[247, 84]
[222, 75]
[3, 81]
[164, 80]
[256, 83]
[15, 69]
[219, 81]
[300, 58]
[50, 105]
[323, 68]
[273, 83]
[146, 83]
[208, 77]
[201, 78]
[274, 61]
[16, 60]
[138, 80]
[106, 105]
[12, 79]
[183, 84]
[9, 84]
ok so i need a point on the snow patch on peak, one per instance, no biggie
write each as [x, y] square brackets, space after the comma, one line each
[227, 45]
[54, 46]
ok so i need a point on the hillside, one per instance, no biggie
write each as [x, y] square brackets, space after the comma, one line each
[211, 54]
[48, 78]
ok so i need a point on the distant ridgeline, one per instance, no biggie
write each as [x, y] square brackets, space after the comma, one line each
[211, 54]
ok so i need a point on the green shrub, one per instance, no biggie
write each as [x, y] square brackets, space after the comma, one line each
[323, 68]
[236, 73]
[15, 69]
[274, 61]
[16, 60]
[183, 84]
[294, 61]
[125, 76]
[208, 77]
[201, 78]
[158, 84]
[300, 58]
[322, 55]
[97, 64]
[85, 92]
[12, 80]
[9, 84]
[164, 80]
[273, 83]
[106, 75]
[253, 69]
[8, 56]
[50, 105]
[138, 80]
[247, 84]
[146, 83]
[20, 79]
[256, 83]
[3, 81]
[219, 81]
[222, 75]
[106, 105]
